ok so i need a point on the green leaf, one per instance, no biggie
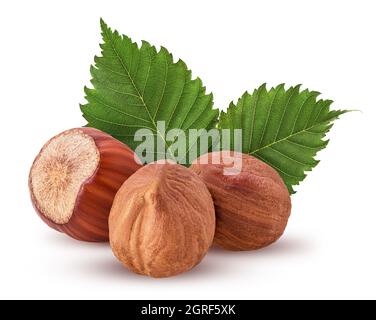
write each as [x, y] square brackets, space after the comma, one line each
[284, 128]
[134, 87]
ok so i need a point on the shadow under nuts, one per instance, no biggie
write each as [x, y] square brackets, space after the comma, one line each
[252, 202]
[162, 221]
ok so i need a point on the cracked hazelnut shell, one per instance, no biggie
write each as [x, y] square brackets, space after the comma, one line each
[74, 179]
[162, 221]
[252, 204]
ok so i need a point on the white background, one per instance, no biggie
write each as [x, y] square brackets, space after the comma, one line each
[328, 250]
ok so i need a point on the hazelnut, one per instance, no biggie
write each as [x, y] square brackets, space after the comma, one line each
[252, 203]
[74, 179]
[162, 221]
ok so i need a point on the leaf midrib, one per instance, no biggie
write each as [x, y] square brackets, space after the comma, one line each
[136, 89]
[291, 135]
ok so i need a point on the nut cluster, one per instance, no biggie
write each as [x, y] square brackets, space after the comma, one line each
[162, 218]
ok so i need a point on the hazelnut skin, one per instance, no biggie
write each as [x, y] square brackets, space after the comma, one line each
[162, 221]
[252, 203]
[74, 179]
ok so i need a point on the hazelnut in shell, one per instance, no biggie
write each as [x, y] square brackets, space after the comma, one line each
[252, 203]
[74, 179]
[162, 221]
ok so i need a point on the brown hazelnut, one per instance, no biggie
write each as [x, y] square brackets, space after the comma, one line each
[74, 179]
[252, 203]
[162, 221]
